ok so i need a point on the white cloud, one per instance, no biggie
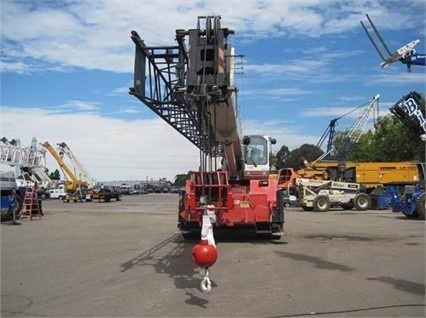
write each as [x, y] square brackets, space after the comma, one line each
[96, 34]
[108, 148]
[395, 77]
[113, 149]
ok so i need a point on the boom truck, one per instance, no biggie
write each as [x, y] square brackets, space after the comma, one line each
[192, 88]
[80, 170]
[75, 187]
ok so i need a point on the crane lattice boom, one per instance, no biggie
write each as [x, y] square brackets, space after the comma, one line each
[12, 153]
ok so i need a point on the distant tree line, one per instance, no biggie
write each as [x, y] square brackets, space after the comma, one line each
[392, 141]
[55, 175]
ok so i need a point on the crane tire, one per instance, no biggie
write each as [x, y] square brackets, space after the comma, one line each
[321, 203]
[347, 206]
[362, 202]
[420, 206]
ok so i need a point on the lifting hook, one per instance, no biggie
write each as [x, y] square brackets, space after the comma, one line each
[206, 285]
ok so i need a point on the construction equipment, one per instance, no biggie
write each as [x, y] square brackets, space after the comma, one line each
[12, 153]
[352, 135]
[25, 160]
[409, 198]
[81, 172]
[410, 110]
[10, 198]
[405, 54]
[193, 91]
[333, 157]
[29, 163]
[103, 193]
[321, 195]
[75, 187]
[411, 202]
[370, 175]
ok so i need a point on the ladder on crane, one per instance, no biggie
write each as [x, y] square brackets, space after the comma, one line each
[31, 205]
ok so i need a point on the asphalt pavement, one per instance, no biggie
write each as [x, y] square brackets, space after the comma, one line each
[127, 259]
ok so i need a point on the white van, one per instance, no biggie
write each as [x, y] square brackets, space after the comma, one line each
[57, 194]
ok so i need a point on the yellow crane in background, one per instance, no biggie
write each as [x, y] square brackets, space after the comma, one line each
[73, 184]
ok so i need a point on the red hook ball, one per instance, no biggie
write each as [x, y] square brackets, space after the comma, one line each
[204, 255]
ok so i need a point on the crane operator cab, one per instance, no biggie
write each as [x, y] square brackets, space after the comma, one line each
[257, 157]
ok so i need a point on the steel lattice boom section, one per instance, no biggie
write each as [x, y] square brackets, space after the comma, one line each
[158, 83]
[12, 153]
[356, 130]
[410, 110]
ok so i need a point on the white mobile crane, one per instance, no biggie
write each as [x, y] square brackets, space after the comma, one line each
[29, 162]
[26, 161]
[12, 153]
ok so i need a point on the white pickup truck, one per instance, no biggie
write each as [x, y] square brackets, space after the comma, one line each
[57, 194]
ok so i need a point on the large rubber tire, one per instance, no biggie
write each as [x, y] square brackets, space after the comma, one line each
[420, 206]
[307, 208]
[362, 202]
[321, 203]
[347, 206]
[8, 215]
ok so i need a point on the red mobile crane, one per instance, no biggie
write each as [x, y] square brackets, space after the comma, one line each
[192, 89]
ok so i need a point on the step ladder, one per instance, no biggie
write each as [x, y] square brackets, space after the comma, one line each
[30, 205]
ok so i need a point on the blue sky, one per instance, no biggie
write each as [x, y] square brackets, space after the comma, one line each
[66, 67]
